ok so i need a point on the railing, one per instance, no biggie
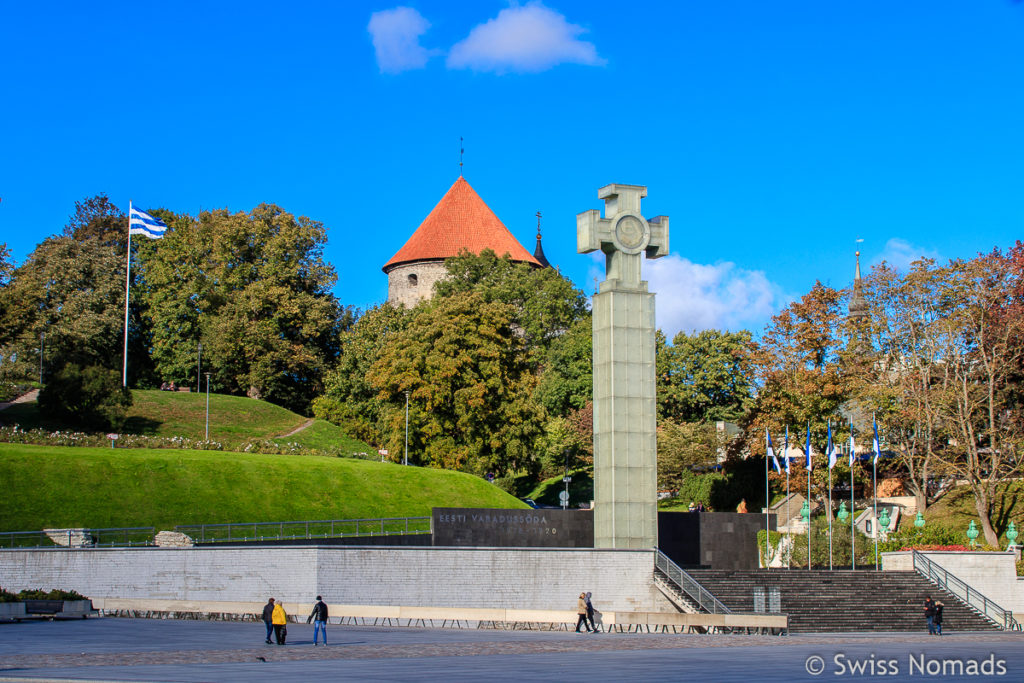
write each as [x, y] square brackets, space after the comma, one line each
[696, 592]
[328, 528]
[942, 578]
[78, 538]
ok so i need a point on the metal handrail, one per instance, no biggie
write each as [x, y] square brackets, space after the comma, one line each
[938, 575]
[111, 537]
[309, 529]
[686, 583]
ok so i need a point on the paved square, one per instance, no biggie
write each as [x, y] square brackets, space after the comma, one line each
[111, 649]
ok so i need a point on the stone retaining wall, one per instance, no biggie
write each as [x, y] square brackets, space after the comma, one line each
[528, 578]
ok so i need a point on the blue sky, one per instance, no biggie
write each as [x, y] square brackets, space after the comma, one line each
[772, 134]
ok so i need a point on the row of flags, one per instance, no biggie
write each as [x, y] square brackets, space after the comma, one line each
[831, 450]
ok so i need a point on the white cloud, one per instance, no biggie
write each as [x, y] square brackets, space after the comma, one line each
[396, 39]
[899, 253]
[526, 38]
[695, 296]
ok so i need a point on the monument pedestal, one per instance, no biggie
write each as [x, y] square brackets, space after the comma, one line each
[625, 418]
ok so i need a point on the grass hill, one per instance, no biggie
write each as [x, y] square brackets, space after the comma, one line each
[233, 420]
[50, 486]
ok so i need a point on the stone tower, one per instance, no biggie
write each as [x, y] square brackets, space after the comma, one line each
[461, 220]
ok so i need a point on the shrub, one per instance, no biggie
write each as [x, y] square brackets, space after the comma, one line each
[7, 596]
[91, 397]
[54, 594]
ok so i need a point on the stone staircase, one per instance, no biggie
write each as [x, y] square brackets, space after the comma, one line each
[843, 600]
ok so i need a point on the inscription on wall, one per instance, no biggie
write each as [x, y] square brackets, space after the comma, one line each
[498, 528]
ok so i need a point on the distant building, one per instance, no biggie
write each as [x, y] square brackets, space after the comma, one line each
[461, 220]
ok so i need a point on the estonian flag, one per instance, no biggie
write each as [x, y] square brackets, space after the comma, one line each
[785, 450]
[830, 449]
[807, 449]
[875, 444]
[771, 451]
[141, 223]
[851, 446]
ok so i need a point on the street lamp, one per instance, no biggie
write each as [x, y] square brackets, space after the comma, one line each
[207, 406]
[972, 533]
[405, 460]
[199, 367]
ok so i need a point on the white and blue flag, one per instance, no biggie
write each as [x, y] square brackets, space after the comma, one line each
[785, 450]
[875, 444]
[142, 223]
[771, 451]
[807, 449]
[852, 448]
[831, 449]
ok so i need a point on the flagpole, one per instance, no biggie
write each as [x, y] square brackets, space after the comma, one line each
[789, 515]
[830, 518]
[767, 504]
[853, 516]
[127, 283]
[808, 464]
[874, 486]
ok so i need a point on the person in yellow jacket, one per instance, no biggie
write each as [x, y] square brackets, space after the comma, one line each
[581, 611]
[280, 620]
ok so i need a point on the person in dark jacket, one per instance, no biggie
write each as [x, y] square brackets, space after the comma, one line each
[268, 618]
[938, 617]
[929, 614]
[319, 618]
[590, 613]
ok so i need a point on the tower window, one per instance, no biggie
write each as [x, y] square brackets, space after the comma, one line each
[413, 280]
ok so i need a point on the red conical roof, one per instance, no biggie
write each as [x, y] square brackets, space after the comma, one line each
[461, 220]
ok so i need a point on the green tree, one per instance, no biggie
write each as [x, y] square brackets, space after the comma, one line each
[257, 290]
[683, 447]
[349, 400]
[544, 303]
[567, 375]
[705, 376]
[471, 389]
[90, 397]
[97, 218]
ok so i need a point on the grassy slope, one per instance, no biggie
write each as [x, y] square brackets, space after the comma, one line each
[233, 419]
[956, 508]
[98, 487]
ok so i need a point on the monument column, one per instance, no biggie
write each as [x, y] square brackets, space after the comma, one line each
[625, 409]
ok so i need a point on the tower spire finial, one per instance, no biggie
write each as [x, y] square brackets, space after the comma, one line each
[856, 274]
[461, 151]
[538, 225]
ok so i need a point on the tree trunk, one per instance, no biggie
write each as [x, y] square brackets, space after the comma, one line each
[991, 537]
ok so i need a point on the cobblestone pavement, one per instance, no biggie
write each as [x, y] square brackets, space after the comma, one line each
[156, 650]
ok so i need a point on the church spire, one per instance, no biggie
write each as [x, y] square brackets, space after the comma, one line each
[858, 309]
[538, 252]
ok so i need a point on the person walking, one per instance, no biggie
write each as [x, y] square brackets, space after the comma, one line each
[319, 618]
[280, 619]
[938, 617]
[268, 618]
[581, 612]
[590, 612]
[929, 614]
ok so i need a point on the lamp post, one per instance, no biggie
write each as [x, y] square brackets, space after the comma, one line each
[207, 406]
[199, 367]
[972, 533]
[405, 460]
[805, 513]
